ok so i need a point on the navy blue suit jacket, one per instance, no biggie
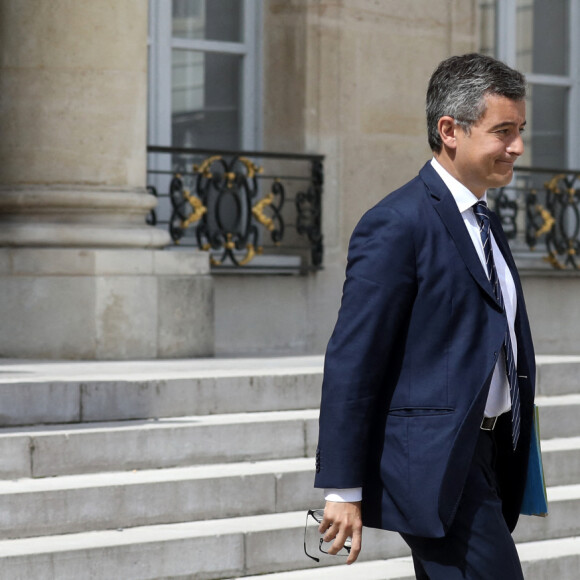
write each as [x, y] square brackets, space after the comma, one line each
[408, 366]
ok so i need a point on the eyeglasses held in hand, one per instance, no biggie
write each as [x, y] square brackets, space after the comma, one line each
[312, 536]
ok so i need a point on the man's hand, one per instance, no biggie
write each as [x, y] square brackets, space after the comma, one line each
[342, 520]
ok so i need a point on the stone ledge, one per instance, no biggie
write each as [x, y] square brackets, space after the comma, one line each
[73, 235]
[101, 262]
[77, 216]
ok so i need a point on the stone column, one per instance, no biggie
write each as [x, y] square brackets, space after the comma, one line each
[81, 274]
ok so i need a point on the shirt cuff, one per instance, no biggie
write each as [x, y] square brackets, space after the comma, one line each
[343, 495]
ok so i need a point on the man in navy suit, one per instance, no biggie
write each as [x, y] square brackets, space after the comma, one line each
[429, 375]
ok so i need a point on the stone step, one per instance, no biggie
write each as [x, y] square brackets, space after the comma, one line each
[79, 503]
[563, 519]
[170, 442]
[178, 441]
[558, 559]
[559, 416]
[234, 548]
[251, 470]
[557, 375]
[202, 550]
[561, 459]
[33, 392]
[391, 569]
[44, 451]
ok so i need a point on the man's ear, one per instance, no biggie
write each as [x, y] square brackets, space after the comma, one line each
[448, 131]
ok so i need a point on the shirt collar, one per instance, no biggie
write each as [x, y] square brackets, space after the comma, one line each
[462, 196]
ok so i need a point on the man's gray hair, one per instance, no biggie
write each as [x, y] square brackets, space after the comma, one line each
[458, 88]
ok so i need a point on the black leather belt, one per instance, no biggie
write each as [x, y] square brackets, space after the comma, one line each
[488, 423]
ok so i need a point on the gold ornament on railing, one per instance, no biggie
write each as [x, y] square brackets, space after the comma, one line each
[258, 212]
[548, 220]
[199, 210]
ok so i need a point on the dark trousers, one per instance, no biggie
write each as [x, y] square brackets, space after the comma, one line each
[478, 545]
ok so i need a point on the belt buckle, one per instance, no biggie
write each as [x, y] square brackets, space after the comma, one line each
[488, 423]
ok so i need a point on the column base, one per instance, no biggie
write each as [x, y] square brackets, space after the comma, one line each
[74, 216]
[105, 304]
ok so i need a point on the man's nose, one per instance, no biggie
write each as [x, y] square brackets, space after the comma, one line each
[516, 147]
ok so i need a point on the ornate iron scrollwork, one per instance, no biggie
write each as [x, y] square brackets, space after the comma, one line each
[226, 205]
[562, 204]
[556, 221]
[309, 213]
[223, 209]
[274, 201]
[151, 218]
[507, 210]
[183, 207]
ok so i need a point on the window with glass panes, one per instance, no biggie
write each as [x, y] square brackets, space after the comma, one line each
[204, 73]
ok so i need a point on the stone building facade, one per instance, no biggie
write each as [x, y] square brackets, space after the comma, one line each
[81, 274]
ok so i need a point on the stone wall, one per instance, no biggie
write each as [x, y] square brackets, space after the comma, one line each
[346, 79]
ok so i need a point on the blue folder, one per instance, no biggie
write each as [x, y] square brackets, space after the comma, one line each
[535, 502]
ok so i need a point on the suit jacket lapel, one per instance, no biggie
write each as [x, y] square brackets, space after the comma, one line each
[447, 209]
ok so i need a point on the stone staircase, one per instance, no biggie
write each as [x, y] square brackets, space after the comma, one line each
[203, 469]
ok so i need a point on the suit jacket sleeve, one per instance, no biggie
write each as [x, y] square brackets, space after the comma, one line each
[364, 352]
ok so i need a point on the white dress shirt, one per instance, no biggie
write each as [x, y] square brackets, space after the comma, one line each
[498, 400]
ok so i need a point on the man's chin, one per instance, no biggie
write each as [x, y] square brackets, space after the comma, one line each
[504, 178]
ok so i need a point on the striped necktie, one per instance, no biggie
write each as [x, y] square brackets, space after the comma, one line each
[482, 214]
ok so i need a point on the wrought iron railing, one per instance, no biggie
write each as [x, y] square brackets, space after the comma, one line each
[252, 210]
[540, 213]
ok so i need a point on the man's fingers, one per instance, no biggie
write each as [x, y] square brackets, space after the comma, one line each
[340, 536]
[338, 543]
[356, 544]
[325, 524]
[340, 522]
[331, 533]
[336, 533]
